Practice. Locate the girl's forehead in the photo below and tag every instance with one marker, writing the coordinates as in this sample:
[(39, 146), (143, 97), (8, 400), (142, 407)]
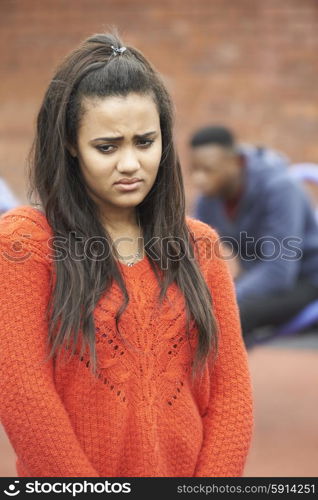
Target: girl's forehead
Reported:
[(120, 113), (109, 104)]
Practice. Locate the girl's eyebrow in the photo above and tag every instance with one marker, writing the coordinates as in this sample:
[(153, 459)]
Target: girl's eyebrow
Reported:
[(136, 136)]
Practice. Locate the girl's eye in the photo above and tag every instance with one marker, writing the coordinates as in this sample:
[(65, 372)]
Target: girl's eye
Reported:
[(106, 148), (144, 143), (109, 148)]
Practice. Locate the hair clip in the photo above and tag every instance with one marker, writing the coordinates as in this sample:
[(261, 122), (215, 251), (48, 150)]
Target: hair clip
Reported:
[(118, 50)]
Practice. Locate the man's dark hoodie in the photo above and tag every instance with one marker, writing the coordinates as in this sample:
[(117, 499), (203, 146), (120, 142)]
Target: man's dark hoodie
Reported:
[(274, 230)]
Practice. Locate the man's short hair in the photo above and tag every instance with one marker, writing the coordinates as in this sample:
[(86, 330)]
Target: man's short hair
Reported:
[(213, 134)]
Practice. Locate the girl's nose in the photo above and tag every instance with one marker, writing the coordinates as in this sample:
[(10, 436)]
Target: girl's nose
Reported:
[(128, 161)]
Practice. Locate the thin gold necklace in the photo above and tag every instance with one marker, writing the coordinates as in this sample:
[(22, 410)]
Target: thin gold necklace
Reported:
[(138, 253)]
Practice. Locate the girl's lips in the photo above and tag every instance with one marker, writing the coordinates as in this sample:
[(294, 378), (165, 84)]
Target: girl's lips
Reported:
[(128, 187)]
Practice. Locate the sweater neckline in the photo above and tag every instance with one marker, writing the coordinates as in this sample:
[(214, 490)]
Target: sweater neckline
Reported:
[(137, 267)]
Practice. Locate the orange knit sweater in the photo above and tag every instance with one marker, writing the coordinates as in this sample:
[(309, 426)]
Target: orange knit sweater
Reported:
[(141, 416)]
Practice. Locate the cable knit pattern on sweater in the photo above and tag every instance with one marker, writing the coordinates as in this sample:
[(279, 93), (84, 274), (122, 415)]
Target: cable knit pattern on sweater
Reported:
[(142, 416)]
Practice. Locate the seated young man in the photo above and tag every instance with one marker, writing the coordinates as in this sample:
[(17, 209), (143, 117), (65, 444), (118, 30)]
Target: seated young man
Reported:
[(266, 224)]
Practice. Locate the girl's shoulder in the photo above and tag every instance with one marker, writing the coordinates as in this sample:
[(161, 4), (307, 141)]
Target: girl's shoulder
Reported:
[(24, 229), (18, 220), (206, 241), (201, 229)]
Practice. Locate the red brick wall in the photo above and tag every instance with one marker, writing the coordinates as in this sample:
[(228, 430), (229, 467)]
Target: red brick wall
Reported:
[(250, 64)]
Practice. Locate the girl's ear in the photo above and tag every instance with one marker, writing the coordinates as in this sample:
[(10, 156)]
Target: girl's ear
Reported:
[(71, 150)]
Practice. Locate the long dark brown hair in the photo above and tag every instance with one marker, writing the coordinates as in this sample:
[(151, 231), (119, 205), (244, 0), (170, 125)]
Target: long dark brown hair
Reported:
[(92, 70)]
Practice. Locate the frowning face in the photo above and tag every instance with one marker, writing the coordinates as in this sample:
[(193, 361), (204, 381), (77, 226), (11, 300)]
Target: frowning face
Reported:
[(119, 138)]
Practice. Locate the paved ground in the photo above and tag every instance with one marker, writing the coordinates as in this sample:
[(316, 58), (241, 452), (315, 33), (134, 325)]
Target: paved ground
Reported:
[(285, 381)]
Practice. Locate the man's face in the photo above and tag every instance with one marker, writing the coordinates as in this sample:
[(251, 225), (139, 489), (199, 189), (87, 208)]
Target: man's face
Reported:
[(212, 169)]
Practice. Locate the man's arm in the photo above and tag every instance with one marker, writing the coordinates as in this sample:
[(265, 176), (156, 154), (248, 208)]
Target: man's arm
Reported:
[(279, 251)]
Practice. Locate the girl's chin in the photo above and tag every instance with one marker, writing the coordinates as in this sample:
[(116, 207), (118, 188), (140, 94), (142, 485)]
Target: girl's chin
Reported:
[(127, 200)]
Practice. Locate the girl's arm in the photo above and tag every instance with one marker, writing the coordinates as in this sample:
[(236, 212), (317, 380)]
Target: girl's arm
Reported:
[(31, 410), (228, 421)]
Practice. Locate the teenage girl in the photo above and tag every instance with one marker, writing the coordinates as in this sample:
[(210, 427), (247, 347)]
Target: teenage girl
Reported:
[(121, 348)]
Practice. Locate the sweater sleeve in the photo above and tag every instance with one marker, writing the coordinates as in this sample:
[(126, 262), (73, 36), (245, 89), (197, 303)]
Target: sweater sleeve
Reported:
[(228, 421), (31, 411)]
